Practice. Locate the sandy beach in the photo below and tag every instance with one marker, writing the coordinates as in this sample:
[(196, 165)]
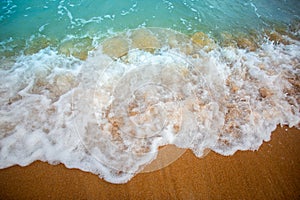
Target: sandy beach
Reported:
[(93, 91), (272, 172)]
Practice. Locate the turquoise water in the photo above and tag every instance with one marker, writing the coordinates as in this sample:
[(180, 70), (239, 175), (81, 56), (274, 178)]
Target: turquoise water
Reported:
[(63, 20), (106, 86)]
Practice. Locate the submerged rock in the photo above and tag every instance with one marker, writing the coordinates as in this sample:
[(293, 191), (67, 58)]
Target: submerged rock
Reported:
[(246, 43), (78, 47), (294, 29), (144, 39), (179, 41), (115, 47), (276, 38), (203, 41), (227, 39), (37, 44)]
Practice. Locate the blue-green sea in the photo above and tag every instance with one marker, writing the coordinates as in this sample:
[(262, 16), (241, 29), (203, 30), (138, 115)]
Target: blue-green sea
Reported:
[(104, 86), (53, 22)]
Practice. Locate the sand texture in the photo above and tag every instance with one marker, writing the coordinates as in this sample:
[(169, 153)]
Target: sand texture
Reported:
[(272, 172)]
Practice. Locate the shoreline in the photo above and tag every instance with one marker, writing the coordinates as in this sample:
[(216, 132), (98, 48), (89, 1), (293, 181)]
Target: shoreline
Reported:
[(268, 173)]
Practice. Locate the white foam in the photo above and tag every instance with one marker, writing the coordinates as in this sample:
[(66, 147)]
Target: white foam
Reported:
[(110, 116)]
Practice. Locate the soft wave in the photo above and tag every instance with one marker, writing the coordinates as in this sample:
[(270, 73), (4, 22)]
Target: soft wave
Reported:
[(141, 90)]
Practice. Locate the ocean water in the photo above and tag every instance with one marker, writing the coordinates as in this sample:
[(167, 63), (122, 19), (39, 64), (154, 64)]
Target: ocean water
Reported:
[(106, 86)]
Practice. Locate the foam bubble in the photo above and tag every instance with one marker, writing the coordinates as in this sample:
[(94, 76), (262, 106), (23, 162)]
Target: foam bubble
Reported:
[(112, 113)]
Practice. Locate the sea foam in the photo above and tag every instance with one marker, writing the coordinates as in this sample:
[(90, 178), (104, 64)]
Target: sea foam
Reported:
[(140, 91)]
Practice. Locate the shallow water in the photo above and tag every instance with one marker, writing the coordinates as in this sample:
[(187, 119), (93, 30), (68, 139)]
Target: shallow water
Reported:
[(93, 85)]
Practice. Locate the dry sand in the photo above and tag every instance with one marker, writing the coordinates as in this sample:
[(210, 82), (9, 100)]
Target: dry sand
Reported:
[(272, 172)]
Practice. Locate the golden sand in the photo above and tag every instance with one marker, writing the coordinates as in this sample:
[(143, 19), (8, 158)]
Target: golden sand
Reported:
[(272, 172)]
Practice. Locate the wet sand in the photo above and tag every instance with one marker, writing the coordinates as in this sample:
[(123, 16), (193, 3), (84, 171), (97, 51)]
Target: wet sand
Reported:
[(272, 172)]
